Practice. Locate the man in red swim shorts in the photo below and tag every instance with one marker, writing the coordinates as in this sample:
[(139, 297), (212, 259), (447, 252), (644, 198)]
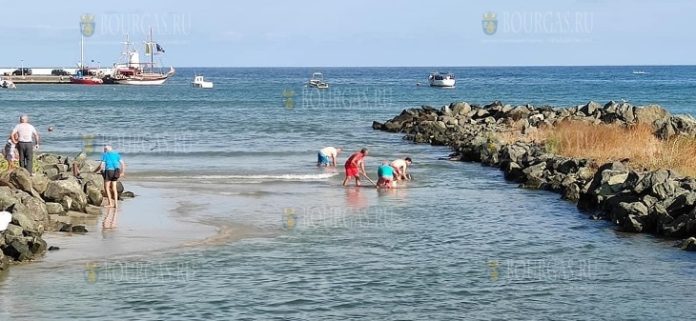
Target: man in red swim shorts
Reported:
[(354, 165)]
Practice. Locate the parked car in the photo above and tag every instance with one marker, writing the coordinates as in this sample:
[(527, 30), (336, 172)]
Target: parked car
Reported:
[(59, 72), (22, 71)]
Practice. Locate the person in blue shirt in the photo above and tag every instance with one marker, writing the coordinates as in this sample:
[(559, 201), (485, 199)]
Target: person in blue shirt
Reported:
[(112, 167), (385, 175)]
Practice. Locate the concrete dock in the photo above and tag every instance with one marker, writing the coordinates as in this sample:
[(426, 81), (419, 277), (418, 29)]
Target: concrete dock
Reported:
[(38, 79), (42, 75)]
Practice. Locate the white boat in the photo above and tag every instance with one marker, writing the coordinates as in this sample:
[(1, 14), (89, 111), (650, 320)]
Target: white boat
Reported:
[(317, 81), (5, 83), (200, 82), (437, 79), (137, 73)]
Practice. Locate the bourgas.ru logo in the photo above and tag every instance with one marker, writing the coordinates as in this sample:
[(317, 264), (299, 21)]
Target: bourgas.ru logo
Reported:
[(87, 25), (489, 23), (288, 98), (530, 23)]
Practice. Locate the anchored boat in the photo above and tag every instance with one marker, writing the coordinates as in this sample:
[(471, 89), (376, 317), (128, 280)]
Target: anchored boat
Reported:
[(437, 79), (200, 82), (317, 81), (133, 72)]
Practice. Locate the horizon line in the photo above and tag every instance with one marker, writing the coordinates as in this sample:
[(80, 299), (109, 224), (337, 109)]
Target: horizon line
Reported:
[(376, 66)]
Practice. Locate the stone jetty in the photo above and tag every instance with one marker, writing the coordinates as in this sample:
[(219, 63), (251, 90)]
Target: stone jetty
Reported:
[(660, 202), (46, 202)]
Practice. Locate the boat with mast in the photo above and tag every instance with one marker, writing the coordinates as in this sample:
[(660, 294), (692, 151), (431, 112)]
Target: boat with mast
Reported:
[(133, 72), (127, 65), (83, 75)]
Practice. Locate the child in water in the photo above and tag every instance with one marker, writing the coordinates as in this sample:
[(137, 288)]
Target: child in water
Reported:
[(10, 153)]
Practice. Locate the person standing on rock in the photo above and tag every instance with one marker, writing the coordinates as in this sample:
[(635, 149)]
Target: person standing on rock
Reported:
[(25, 134), (112, 167), (327, 153), (401, 168), (355, 165)]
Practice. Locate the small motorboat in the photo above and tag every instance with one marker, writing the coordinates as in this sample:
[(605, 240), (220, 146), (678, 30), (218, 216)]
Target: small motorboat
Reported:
[(317, 81), (437, 79), (200, 82), (86, 77), (4, 83)]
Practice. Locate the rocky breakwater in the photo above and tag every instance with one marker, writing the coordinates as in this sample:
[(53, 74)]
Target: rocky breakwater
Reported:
[(45, 202), (660, 202)]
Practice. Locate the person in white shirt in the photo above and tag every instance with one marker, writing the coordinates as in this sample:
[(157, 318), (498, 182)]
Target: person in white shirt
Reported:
[(326, 153), (25, 134), (401, 168)]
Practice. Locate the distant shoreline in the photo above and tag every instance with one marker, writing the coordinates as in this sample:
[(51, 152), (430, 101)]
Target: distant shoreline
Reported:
[(9, 67)]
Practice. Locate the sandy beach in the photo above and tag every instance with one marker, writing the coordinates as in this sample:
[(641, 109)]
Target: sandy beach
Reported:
[(156, 221)]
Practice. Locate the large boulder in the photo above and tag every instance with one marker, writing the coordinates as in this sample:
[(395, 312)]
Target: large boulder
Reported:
[(515, 153), (54, 208), (650, 113), (512, 171), (68, 192), (26, 223), (50, 159), (8, 198), (34, 208), (682, 226), (689, 244), (39, 182), (24, 248), (462, 108), (664, 128), (88, 166), (652, 179), (590, 108), (519, 112), (94, 194), (14, 230), (21, 179), (632, 217), (608, 180), (681, 204)]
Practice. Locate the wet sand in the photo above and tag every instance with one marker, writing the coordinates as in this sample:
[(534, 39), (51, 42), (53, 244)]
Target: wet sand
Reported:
[(156, 221)]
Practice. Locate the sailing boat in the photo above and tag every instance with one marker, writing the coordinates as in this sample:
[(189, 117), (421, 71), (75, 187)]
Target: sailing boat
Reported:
[(127, 66), (84, 76), (137, 73)]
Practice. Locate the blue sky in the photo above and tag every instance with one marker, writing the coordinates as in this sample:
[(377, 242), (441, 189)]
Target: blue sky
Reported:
[(357, 32)]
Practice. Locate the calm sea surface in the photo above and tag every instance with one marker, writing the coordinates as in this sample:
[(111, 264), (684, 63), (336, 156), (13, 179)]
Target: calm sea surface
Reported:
[(458, 242)]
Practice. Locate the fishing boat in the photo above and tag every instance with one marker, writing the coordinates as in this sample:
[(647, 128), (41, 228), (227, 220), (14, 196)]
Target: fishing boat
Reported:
[(136, 73), (317, 81), (83, 75), (437, 79), (200, 82)]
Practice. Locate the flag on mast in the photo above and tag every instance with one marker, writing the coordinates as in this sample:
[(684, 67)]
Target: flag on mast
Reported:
[(148, 48)]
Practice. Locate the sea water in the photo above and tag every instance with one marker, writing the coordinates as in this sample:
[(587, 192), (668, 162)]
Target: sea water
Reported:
[(458, 242)]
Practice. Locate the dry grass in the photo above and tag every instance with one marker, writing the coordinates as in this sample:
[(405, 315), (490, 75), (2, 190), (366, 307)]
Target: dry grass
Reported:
[(604, 143)]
